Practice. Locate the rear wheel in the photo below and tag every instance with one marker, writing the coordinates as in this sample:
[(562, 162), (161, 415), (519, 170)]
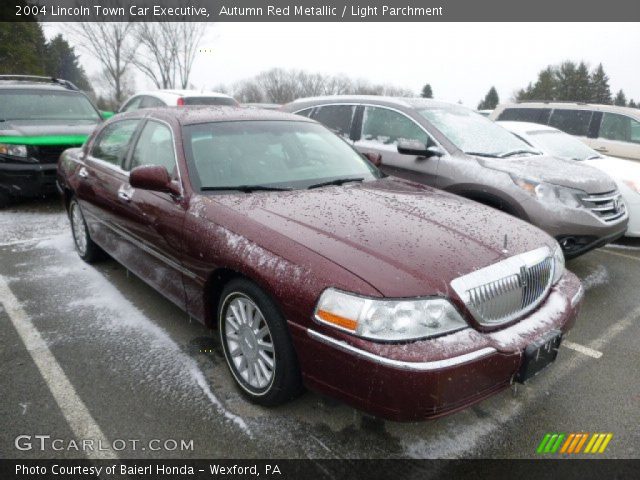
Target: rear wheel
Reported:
[(86, 248), (257, 345)]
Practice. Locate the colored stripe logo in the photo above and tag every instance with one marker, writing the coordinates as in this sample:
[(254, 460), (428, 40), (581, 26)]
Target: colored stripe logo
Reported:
[(572, 443)]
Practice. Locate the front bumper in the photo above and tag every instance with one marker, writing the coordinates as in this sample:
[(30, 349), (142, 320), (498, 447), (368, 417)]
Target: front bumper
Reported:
[(28, 179), (430, 378)]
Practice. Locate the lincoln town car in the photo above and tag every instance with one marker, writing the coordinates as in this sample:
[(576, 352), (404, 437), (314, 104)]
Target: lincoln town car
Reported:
[(314, 268)]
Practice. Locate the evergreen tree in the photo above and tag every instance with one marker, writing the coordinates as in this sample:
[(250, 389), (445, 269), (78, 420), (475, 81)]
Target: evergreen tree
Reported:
[(62, 62), (582, 84), (621, 99), (490, 101), (565, 77), (22, 48), (427, 92), (600, 90), (632, 104)]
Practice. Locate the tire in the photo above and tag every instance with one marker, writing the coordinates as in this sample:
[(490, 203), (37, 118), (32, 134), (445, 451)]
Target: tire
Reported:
[(88, 251), (6, 199), (260, 355)]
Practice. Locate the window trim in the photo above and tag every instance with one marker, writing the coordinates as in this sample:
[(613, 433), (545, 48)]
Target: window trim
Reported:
[(116, 167)]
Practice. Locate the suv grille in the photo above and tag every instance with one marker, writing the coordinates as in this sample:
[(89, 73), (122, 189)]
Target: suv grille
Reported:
[(50, 154), (509, 289), (606, 206)]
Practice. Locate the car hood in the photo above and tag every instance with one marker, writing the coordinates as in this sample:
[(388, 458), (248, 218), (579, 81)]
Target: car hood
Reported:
[(557, 171), (617, 167), (404, 239), (46, 128)]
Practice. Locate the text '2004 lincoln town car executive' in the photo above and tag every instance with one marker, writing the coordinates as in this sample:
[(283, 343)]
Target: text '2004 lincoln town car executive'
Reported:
[(315, 268)]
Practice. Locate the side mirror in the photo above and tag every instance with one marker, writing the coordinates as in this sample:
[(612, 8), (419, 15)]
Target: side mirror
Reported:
[(374, 158), (419, 149), (106, 115), (153, 177)]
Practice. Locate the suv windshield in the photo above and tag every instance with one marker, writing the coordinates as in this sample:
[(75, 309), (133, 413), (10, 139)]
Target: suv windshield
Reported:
[(22, 104), (474, 134), (254, 155), (562, 145)]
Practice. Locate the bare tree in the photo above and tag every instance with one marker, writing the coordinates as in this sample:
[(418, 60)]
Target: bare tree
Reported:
[(111, 43), (167, 51)]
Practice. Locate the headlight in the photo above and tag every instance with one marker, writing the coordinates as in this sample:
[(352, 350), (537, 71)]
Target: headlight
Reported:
[(13, 150), (546, 192), (558, 264), (388, 320)]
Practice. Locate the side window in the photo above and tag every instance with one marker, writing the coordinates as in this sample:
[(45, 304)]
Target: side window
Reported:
[(155, 147), (336, 117), (133, 104), (620, 127), (151, 102), (113, 142), (533, 115), (388, 127), (573, 122), (306, 112)]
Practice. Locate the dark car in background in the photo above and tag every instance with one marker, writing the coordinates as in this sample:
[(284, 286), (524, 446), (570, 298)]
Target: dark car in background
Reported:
[(40, 117), (316, 268), (453, 148)]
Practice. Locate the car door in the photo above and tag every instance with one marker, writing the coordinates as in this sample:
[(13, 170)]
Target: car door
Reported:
[(619, 136), (100, 181), (154, 221), (382, 129)]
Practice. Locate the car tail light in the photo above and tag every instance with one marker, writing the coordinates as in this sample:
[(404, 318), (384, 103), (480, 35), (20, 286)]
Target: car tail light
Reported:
[(180, 101)]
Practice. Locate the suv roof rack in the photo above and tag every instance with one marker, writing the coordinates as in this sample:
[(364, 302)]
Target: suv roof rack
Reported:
[(553, 101), (36, 78)]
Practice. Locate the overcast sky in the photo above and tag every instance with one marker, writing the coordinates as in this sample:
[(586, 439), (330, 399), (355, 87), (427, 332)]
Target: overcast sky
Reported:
[(461, 61)]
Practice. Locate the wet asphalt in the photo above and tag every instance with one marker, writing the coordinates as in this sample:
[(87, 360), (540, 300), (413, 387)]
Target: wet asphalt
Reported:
[(145, 372)]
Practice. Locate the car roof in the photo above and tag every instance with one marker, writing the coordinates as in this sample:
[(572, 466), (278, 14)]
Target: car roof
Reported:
[(181, 93), (524, 128), (634, 112), (402, 102), (212, 113)]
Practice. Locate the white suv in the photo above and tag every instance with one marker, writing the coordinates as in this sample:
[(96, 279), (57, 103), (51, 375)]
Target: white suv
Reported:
[(172, 98), (611, 130)]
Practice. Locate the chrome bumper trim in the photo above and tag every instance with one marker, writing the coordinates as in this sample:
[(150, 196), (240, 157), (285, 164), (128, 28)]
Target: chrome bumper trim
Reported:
[(401, 365), (577, 297)]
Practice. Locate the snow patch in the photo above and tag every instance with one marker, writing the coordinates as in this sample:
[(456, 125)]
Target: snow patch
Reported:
[(599, 276)]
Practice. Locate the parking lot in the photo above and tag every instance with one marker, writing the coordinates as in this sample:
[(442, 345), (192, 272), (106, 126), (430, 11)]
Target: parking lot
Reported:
[(94, 352)]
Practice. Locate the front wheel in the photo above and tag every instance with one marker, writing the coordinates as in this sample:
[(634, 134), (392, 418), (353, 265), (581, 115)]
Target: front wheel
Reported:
[(86, 248), (257, 345)]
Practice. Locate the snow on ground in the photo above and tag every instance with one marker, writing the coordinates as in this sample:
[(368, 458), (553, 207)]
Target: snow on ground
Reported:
[(24, 223), (597, 277)]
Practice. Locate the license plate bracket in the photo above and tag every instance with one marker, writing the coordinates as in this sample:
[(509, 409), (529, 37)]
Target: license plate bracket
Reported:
[(539, 355)]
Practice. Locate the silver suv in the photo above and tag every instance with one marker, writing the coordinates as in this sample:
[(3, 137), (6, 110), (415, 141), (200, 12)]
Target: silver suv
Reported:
[(453, 148)]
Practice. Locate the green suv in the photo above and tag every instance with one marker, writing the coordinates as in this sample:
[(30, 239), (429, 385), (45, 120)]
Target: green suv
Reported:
[(40, 117)]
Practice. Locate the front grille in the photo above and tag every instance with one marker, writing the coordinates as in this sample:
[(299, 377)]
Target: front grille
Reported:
[(606, 206), (49, 154), (509, 289)]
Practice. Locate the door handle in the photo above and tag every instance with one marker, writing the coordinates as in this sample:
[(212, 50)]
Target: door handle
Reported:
[(122, 195), (83, 173)]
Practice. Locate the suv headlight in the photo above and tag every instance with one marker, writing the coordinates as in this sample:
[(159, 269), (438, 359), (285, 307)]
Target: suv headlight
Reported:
[(388, 320), (547, 192), (558, 264), (13, 150)]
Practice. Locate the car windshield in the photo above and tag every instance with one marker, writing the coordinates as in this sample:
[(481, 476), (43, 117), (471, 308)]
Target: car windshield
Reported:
[(474, 134), (45, 105), (562, 145), (261, 154)]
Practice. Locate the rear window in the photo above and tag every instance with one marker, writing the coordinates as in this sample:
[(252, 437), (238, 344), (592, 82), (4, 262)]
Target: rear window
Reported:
[(533, 115), (45, 105), (573, 122), (210, 101)]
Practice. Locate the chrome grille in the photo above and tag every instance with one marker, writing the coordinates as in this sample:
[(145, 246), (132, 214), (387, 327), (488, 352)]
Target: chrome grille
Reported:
[(606, 206), (508, 289)]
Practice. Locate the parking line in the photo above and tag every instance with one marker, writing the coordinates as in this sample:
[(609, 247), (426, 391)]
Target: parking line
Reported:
[(72, 407), (637, 259), (582, 349)]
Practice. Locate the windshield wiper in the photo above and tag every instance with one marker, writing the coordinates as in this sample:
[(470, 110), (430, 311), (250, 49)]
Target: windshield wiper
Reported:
[(593, 157), (247, 188), (517, 152), (483, 154), (337, 181)]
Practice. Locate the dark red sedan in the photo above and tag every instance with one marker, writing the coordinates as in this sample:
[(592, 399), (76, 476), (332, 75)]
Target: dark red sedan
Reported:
[(315, 268)]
